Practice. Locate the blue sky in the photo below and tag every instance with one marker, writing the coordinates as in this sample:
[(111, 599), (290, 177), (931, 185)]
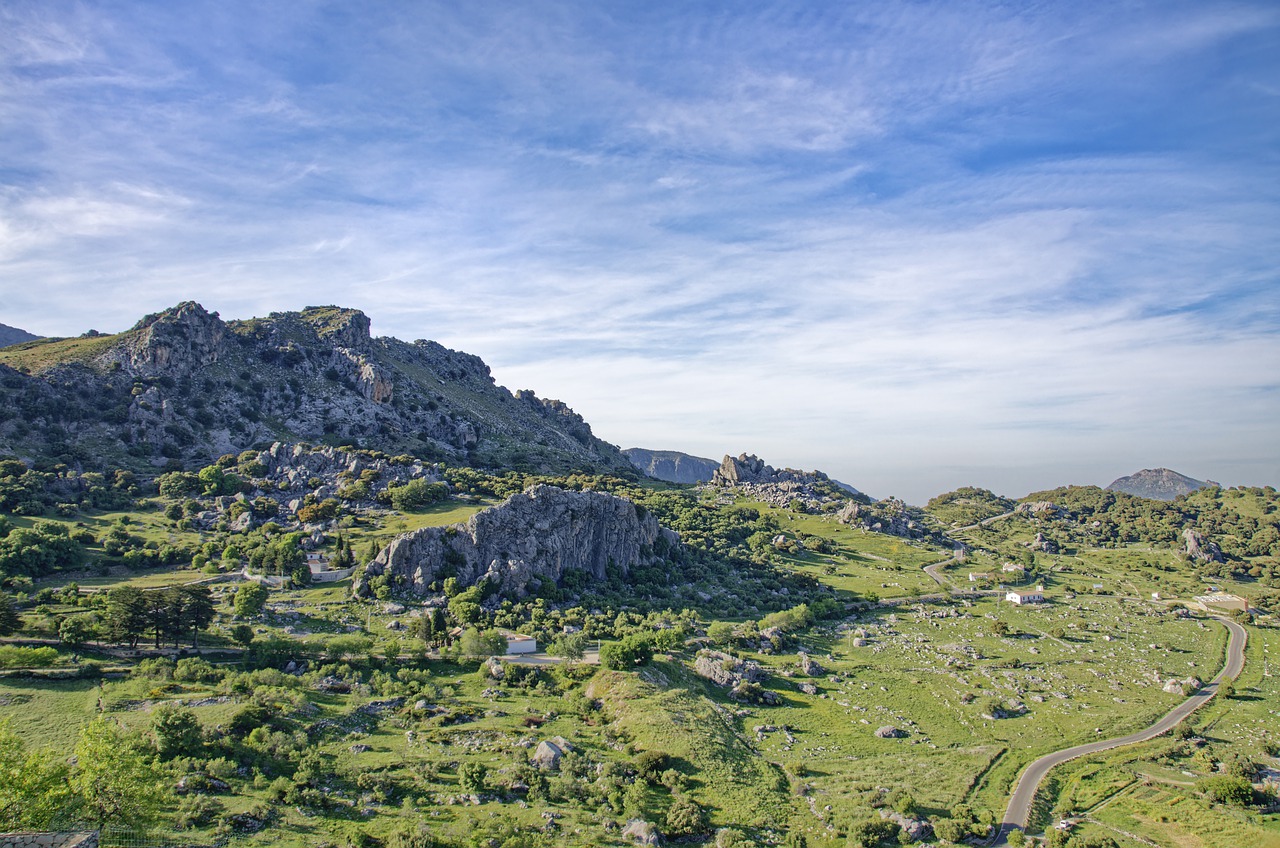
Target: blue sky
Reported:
[(917, 245)]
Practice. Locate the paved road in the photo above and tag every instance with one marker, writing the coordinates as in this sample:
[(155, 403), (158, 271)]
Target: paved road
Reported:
[(1023, 794), (932, 570)]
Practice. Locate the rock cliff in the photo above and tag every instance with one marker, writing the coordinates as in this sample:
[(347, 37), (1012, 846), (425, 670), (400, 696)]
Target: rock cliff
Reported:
[(540, 533), (672, 466), (184, 386)]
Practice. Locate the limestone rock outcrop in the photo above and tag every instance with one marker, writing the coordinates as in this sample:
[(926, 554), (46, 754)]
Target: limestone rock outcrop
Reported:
[(185, 386), (1198, 549), (540, 534)]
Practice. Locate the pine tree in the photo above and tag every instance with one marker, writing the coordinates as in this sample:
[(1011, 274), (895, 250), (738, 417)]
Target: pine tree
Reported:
[(10, 621)]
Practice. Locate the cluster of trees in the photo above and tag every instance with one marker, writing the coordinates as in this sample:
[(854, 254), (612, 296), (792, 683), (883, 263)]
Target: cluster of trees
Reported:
[(41, 549), (414, 495), (167, 615)]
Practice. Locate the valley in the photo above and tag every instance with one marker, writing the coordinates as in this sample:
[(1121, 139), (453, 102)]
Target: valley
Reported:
[(313, 642)]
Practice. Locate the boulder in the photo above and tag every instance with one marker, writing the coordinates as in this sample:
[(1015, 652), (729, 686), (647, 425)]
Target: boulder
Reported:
[(890, 732), (642, 832), (809, 666), (547, 755)]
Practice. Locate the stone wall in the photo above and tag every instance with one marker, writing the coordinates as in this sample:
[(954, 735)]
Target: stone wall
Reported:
[(76, 839)]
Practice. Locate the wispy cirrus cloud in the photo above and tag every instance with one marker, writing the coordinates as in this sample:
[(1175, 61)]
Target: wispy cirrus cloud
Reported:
[(916, 245)]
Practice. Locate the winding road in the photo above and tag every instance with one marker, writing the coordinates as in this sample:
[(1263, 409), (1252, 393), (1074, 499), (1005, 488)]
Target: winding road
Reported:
[(1025, 790)]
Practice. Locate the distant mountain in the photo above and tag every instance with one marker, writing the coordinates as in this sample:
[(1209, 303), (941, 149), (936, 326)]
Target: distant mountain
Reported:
[(1159, 484), (672, 466), (12, 336), (184, 386)]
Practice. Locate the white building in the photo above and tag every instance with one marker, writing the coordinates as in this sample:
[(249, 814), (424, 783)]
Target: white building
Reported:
[(518, 643), (1029, 596)]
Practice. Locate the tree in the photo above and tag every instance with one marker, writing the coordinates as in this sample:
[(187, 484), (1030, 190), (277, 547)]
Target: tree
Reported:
[(1016, 838), (114, 781), (720, 633), (488, 643), (251, 597), (33, 787), (198, 610), (1227, 688), (950, 830), (242, 634), (176, 732), (626, 654), (571, 646), (685, 817), (126, 614), (10, 621), (75, 630), (471, 777)]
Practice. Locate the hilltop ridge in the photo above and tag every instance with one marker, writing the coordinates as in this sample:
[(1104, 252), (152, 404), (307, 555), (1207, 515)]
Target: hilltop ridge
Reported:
[(13, 335), (1159, 484), (184, 385)]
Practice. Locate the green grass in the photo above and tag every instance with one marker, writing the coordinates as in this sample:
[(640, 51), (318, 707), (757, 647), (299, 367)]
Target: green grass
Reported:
[(48, 714), (38, 356)]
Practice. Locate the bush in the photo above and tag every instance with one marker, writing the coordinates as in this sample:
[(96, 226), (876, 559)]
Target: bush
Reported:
[(14, 656), (628, 653), (651, 764), (1225, 789), (686, 818)]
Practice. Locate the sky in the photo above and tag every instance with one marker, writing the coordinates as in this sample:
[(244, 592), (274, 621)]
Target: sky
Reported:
[(916, 245)]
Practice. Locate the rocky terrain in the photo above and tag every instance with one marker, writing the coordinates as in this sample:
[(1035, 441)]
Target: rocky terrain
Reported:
[(184, 386), (812, 491), (672, 466), (290, 477), (12, 336), (1159, 484), (539, 534)]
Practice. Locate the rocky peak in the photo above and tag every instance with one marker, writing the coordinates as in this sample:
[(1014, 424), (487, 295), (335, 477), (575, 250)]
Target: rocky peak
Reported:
[(177, 340), (340, 327), (1161, 484)]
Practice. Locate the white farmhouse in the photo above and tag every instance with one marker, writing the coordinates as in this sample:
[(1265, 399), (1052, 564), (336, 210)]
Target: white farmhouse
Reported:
[(1028, 596)]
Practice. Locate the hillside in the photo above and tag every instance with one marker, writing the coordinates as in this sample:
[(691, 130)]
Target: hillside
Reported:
[(672, 466), (12, 336), (1159, 484), (184, 386)]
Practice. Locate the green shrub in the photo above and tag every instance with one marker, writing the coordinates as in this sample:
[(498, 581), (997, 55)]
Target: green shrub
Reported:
[(16, 656)]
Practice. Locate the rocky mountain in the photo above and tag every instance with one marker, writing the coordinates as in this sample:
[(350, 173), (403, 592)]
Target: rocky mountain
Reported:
[(12, 336), (183, 386), (539, 534), (672, 466), (1159, 484)]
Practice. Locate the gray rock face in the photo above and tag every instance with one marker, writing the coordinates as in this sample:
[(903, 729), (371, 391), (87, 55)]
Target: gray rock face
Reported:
[(890, 516), (1159, 484), (752, 469), (210, 387), (1041, 543), (542, 532), (547, 755), (727, 671), (1198, 549), (888, 732), (642, 832), (672, 466)]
